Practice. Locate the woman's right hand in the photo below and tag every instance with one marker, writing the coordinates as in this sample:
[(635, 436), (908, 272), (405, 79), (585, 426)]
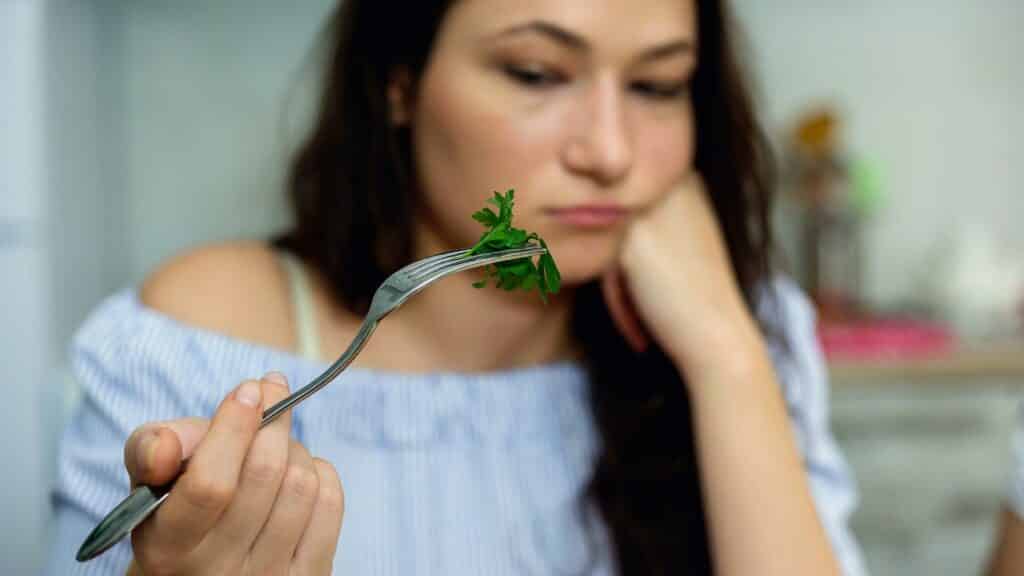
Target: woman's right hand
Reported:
[(250, 501)]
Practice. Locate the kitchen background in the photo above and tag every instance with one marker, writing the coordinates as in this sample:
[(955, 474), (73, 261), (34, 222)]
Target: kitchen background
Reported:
[(130, 130)]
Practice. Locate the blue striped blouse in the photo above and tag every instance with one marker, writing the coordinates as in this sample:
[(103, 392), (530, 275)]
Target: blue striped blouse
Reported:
[(444, 473)]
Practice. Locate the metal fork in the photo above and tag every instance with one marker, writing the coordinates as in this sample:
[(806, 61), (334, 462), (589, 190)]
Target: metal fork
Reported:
[(391, 294)]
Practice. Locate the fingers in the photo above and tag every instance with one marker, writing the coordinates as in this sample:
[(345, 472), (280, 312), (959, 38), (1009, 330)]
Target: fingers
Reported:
[(154, 451), (260, 480), (272, 551), (315, 552), (148, 453), (622, 311), (206, 488)]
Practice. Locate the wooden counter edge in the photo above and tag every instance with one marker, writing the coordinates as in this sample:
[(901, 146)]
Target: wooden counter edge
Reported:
[(1003, 361)]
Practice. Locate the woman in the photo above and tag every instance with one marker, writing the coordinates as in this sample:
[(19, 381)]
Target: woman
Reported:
[(636, 424)]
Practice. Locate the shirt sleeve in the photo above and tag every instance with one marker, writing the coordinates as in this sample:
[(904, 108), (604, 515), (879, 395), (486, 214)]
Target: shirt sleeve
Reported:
[(128, 373), (790, 320)]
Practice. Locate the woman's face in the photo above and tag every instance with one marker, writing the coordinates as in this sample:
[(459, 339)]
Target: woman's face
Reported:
[(581, 106)]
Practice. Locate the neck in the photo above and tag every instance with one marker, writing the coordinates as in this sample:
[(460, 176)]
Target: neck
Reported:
[(453, 326)]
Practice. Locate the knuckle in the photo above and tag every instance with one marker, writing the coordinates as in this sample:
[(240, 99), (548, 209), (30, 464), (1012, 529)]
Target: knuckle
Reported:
[(332, 501), (300, 450), (264, 468), (332, 495), (301, 482), (236, 425), (276, 391), (207, 492)]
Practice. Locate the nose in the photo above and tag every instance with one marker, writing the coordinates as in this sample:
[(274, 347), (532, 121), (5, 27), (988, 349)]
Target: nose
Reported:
[(599, 145)]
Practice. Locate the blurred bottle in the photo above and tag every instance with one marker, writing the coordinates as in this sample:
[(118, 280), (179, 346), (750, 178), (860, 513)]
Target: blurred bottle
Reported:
[(830, 215)]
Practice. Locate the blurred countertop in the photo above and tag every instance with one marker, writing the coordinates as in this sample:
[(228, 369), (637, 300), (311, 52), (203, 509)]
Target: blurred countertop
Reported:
[(965, 364)]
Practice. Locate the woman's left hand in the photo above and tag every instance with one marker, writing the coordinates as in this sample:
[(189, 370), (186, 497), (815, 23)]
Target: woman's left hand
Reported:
[(675, 282)]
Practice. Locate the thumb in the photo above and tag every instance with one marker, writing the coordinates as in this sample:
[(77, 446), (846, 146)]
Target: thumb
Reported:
[(154, 452), (622, 311)]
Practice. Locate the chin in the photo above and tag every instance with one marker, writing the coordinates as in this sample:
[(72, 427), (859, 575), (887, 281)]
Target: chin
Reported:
[(581, 262)]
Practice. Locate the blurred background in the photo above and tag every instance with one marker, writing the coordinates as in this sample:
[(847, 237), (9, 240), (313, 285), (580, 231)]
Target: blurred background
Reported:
[(130, 130)]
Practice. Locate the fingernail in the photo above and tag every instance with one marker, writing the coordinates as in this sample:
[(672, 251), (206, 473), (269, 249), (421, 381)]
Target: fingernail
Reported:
[(249, 393), (146, 446), (277, 378)]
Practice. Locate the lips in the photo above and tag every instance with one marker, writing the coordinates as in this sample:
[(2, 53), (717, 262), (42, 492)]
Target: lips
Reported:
[(590, 216)]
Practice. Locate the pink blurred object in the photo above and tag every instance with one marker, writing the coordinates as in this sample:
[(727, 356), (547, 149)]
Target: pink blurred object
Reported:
[(885, 339)]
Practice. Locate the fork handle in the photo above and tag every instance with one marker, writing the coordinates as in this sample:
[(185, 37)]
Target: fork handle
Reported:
[(144, 500), (365, 330), (120, 521)]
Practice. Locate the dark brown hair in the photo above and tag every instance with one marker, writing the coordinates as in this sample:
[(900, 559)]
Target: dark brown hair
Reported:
[(351, 188)]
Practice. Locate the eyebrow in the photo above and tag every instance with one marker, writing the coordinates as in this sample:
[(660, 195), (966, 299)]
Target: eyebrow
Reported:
[(576, 42)]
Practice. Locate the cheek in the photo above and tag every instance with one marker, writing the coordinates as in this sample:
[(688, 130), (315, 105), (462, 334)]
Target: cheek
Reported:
[(468, 144), (665, 151)]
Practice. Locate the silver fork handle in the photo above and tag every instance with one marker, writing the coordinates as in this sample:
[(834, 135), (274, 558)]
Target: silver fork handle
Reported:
[(293, 399), (144, 500)]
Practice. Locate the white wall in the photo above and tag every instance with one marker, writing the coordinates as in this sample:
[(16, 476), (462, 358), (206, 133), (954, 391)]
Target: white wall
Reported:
[(931, 88), (25, 338), (204, 87), (86, 212)]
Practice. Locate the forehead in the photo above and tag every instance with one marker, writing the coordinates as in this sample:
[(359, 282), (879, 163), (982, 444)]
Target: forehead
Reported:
[(607, 25)]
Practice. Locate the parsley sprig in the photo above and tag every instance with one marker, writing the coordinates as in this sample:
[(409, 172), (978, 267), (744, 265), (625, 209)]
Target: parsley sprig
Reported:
[(500, 235)]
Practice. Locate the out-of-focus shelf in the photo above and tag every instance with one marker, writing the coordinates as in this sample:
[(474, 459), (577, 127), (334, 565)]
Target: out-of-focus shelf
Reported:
[(1004, 361)]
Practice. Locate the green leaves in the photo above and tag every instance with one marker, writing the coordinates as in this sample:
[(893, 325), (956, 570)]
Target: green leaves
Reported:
[(516, 274)]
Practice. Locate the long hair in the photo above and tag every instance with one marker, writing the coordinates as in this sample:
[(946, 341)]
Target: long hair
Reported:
[(351, 189)]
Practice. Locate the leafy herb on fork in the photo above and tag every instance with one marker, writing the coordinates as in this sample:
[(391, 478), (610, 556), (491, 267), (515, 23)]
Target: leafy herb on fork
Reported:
[(501, 235)]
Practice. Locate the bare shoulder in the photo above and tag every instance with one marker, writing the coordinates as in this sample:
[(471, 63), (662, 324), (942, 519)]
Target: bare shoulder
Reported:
[(238, 289)]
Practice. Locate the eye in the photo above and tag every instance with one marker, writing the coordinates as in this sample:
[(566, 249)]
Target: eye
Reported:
[(661, 90), (533, 76)]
